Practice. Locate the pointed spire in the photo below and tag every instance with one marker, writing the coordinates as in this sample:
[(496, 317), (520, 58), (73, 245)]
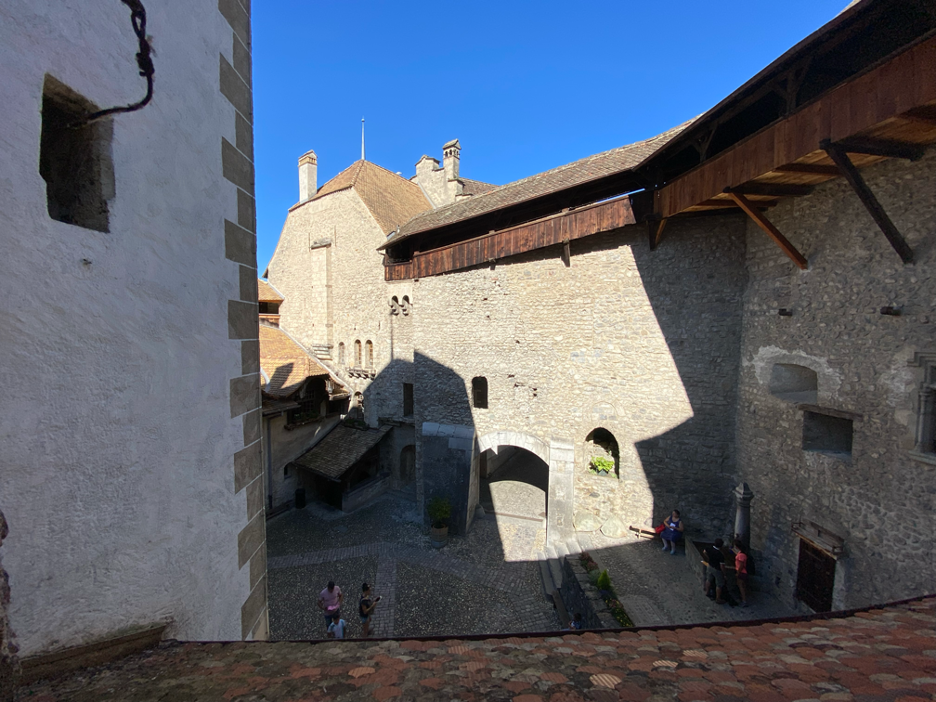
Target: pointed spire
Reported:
[(362, 139)]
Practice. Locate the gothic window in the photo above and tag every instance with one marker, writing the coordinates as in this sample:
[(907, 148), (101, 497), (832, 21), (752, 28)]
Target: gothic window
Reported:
[(341, 354), (394, 305), (479, 393), (369, 346), (405, 305), (357, 353)]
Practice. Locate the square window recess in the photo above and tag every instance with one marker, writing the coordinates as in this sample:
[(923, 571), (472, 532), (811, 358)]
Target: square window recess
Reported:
[(75, 159), (824, 433)]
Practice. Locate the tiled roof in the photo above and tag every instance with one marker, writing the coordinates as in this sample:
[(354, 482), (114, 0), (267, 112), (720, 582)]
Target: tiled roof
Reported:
[(475, 187), (285, 362), (392, 199), (267, 293), (576, 173), (882, 654), (344, 446)]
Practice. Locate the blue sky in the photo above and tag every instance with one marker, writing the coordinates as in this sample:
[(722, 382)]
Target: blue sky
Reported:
[(525, 86)]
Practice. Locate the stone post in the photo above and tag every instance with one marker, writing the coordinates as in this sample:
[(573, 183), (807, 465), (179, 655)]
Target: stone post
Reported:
[(742, 522)]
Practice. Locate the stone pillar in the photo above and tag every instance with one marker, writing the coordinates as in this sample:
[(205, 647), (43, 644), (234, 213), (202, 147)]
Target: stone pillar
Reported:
[(742, 522)]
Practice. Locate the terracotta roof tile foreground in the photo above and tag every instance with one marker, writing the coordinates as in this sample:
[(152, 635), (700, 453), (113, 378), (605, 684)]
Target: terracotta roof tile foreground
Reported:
[(883, 654), (284, 362)]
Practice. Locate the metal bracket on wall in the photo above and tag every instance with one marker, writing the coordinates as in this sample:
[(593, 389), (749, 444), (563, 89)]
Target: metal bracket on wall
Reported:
[(838, 152)]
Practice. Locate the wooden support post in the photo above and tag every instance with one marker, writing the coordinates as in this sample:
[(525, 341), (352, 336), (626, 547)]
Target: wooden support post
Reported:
[(761, 221), (566, 254), (655, 230), (850, 173)]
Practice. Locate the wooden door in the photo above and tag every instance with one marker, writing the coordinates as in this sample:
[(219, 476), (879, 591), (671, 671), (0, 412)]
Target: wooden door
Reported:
[(815, 577)]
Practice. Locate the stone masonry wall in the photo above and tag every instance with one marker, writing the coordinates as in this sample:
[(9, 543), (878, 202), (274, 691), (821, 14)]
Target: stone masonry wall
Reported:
[(644, 344), (881, 500)]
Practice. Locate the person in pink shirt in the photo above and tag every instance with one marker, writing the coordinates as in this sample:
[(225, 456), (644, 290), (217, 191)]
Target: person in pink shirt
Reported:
[(329, 601), (741, 573)]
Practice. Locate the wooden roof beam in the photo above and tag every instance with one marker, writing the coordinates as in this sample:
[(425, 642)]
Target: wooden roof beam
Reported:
[(838, 153), (925, 114), (761, 221), (881, 147), (808, 169), (773, 189)]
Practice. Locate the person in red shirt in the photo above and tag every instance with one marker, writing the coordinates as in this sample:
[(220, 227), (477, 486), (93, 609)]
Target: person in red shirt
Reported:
[(741, 573)]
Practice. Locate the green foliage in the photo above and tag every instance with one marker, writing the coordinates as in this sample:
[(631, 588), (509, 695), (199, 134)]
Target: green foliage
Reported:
[(439, 509), (617, 609), (602, 464), (604, 581)]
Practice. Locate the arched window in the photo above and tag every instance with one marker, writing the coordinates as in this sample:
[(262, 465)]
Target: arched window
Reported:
[(479, 392), (405, 305), (601, 450), (341, 354), (369, 348), (394, 305), (357, 353), (794, 383)]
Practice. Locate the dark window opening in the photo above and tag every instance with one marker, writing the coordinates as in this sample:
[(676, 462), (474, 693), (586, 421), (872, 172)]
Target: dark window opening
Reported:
[(926, 417), (407, 399), (827, 434), (815, 577), (369, 347), (307, 411), (357, 354), (74, 161), (601, 447), (269, 307), (341, 354), (794, 383), (479, 393)]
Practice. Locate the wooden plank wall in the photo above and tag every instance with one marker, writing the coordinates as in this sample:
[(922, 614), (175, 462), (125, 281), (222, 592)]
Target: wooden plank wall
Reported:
[(906, 81), (586, 221)]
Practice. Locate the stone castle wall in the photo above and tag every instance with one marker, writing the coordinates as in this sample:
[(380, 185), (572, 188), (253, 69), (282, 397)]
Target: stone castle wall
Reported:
[(881, 498), (130, 468), (644, 344)]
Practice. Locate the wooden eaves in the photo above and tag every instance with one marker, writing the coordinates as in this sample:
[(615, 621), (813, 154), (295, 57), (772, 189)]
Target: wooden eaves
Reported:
[(887, 112)]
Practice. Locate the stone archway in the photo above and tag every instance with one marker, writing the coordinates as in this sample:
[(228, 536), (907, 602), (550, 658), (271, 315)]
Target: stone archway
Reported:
[(558, 455)]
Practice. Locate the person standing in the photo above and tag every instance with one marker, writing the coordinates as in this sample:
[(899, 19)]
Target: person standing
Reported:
[(337, 628), (366, 606), (672, 532), (741, 573), (714, 570), (329, 601)]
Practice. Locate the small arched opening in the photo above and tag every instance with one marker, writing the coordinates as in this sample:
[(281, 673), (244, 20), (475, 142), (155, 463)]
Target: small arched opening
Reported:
[(369, 354), (602, 454), (794, 383), (357, 353)]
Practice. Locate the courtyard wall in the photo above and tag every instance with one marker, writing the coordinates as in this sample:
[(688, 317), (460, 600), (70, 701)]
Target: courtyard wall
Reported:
[(644, 344), (880, 498)]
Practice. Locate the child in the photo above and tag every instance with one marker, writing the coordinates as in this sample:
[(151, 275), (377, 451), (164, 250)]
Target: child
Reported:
[(337, 627), (577, 624)]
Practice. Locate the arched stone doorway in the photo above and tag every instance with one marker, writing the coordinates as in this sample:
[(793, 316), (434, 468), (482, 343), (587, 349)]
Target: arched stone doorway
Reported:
[(540, 465)]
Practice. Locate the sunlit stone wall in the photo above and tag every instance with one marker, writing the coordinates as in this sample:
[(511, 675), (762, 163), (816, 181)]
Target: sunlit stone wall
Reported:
[(644, 344)]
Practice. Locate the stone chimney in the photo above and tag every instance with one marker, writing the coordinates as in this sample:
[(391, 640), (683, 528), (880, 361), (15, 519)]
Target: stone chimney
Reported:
[(450, 156), (308, 173)]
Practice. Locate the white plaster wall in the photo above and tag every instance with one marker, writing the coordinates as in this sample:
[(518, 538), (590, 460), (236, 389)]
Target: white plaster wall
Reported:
[(116, 440)]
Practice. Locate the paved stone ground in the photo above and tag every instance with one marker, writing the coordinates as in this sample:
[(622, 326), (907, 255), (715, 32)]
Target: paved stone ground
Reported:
[(884, 655), (657, 588), (485, 582), (517, 488)]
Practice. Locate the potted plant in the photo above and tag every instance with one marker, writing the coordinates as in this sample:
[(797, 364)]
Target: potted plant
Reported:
[(439, 509), (602, 465)]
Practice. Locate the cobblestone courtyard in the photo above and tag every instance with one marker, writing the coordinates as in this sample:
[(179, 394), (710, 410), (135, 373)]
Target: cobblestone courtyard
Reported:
[(485, 582)]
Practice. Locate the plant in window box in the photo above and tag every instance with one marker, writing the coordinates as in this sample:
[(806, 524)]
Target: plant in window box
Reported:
[(440, 510), (601, 465)]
